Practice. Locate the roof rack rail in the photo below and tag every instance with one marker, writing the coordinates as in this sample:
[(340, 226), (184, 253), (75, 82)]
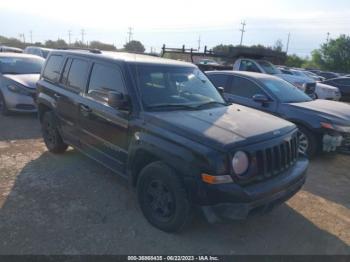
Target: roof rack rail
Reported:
[(91, 50)]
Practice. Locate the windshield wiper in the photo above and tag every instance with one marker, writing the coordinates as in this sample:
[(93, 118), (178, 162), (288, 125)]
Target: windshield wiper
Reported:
[(171, 106), (211, 103)]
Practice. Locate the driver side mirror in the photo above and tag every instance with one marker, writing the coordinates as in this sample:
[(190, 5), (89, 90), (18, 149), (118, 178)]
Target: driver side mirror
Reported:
[(221, 90), (118, 100), (260, 98)]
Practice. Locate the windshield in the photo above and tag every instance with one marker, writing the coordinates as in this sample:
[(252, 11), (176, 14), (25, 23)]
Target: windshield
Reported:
[(176, 88), (269, 68), (285, 92), (20, 65)]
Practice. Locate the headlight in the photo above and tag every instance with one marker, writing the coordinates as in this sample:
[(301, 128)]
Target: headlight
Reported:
[(339, 128), (240, 163), (18, 89)]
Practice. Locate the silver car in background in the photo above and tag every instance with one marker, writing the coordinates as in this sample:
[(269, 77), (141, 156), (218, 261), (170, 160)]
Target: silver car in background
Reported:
[(38, 51), (18, 76)]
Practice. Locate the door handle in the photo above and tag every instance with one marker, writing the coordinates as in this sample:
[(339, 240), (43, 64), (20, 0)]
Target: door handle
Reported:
[(85, 108)]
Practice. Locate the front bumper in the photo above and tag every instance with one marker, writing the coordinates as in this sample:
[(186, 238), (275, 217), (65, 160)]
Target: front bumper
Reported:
[(19, 102), (237, 202)]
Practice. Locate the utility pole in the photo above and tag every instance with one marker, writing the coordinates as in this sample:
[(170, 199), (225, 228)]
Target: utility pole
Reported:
[(328, 34), (288, 43), (69, 37), (31, 36), (243, 31), (130, 33), (199, 42), (82, 36), (23, 37)]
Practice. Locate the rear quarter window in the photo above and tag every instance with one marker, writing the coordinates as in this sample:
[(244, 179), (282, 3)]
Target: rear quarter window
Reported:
[(53, 68)]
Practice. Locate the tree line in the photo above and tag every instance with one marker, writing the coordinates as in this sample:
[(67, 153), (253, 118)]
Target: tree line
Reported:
[(132, 46)]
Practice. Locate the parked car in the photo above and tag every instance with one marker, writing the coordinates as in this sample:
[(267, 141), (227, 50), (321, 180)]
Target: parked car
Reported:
[(327, 92), (265, 67), (315, 77), (343, 84), (323, 125), (162, 125), (328, 75), (38, 51), (10, 49), (18, 76)]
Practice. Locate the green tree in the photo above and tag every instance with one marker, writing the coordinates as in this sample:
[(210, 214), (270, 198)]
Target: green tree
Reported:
[(134, 46), (295, 61), (278, 46), (102, 46), (60, 43)]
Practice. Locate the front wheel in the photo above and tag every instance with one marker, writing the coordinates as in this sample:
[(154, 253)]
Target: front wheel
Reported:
[(51, 135), (307, 142), (163, 198)]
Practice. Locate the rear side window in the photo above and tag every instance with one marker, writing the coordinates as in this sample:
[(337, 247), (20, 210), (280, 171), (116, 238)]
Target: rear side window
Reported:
[(244, 88), (249, 66), (77, 75), (104, 79), (53, 67), (219, 80)]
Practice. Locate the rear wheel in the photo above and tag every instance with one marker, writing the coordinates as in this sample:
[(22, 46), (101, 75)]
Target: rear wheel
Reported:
[(52, 137), (162, 198), (307, 142), (3, 108)]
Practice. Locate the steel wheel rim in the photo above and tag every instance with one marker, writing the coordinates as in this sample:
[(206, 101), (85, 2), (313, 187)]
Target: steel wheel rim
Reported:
[(49, 133), (160, 200), (303, 143)]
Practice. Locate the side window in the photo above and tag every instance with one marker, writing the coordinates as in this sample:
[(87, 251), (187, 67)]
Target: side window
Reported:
[(66, 71), (247, 65), (52, 68), (77, 75), (219, 80), (104, 79), (244, 88)]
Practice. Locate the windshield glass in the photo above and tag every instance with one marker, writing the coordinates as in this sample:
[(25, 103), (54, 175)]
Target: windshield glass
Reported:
[(20, 65), (285, 92), (176, 87), (269, 68)]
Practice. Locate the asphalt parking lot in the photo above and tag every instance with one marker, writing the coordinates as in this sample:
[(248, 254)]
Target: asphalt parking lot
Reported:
[(68, 204)]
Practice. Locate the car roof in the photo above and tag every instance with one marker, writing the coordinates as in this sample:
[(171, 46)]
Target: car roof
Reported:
[(39, 47), (9, 54), (124, 56), (251, 75)]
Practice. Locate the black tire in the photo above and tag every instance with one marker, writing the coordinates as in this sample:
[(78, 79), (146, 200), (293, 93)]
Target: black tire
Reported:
[(163, 198), (3, 108), (51, 135), (306, 136)]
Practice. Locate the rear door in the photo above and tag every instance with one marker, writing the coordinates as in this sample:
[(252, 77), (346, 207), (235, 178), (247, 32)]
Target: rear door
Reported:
[(73, 84), (105, 129)]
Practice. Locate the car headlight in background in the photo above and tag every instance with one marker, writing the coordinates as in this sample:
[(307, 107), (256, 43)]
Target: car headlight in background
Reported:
[(18, 89), (240, 163), (339, 128)]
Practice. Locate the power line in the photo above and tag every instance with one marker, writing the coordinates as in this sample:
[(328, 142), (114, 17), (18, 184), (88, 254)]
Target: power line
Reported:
[(243, 31)]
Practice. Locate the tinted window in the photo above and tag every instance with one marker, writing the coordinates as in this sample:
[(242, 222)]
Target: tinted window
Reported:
[(53, 67), (77, 75), (269, 68), (243, 87), (247, 65), (104, 79), (66, 71), (21, 65), (219, 80), (284, 91)]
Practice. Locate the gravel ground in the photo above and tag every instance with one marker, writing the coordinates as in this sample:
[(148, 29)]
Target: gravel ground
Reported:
[(68, 204)]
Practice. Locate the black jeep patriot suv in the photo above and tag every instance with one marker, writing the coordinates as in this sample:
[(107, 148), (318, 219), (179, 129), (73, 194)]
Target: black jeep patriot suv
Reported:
[(162, 125)]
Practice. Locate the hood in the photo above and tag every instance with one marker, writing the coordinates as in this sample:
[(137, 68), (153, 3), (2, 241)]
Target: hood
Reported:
[(337, 112), (27, 80), (328, 87), (295, 79), (221, 127)]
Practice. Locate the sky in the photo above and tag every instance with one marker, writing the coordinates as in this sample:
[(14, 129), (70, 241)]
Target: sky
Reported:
[(174, 23)]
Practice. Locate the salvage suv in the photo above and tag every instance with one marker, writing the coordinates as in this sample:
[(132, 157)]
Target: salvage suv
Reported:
[(162, 125)]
